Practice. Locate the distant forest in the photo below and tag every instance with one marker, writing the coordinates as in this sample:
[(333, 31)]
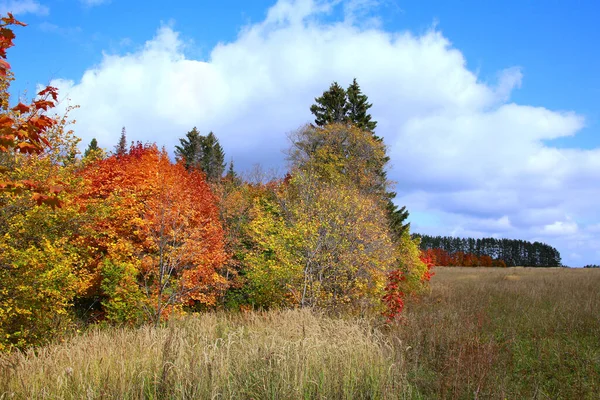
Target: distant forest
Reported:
[(457, 251)]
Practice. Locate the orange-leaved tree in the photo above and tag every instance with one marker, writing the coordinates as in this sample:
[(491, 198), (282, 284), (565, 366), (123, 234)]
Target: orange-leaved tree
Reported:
[(159, 242), (23, 127)]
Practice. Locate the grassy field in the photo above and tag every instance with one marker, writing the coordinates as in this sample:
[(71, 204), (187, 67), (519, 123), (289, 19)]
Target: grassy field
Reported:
[(481, 333)]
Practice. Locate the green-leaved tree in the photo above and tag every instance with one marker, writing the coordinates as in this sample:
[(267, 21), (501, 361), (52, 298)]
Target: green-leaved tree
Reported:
[(202, 152)]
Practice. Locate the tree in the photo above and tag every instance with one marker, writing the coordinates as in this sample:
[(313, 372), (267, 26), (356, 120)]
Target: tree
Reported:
[(121, 147), (351, 107), (202, 152), (92, 147), (189, 149), (358, 106), (42, 261), (318, 244), (342, 154), (23, 127), (93, 152), (159, 238), (212, 159), (331, 107), (231, 174)]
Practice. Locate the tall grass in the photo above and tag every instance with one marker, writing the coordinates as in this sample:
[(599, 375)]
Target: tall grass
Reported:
[(506, 333), (480, 333), (275, 355)]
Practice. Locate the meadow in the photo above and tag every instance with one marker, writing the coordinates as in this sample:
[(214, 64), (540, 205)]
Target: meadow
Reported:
[(479, 333)]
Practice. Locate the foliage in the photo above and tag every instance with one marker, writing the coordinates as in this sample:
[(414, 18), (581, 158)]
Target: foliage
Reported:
[(358, 107), (317, 244), (93, 152), (331, 107), (340, 154), (161, 221), (451, 251), (23, 127), (350, 107), (42, 263), (202, 152)]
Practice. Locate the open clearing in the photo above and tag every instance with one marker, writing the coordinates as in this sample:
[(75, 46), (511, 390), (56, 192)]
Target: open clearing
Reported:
[(479, 333)]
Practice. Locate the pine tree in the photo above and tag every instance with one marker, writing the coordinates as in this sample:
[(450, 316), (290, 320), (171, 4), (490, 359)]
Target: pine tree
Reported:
[(121, 148), (331, 107)]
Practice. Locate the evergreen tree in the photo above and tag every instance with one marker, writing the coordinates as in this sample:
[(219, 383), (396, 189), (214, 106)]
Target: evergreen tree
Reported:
[(92, 148), (357, 107), (189, 149), (212, 158), (231, 175), (331, 107), (121, 148), (202, 152)]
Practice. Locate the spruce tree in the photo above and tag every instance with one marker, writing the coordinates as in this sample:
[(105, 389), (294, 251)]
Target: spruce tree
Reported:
[(202, 152), (231, 174), (358, 107), (331, 107), (189, 149), (92, 148), (121, 148), (212, 159)]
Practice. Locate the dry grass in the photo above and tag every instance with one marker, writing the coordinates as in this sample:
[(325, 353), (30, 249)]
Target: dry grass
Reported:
[(506, 333), (480, 333), (276, 355)]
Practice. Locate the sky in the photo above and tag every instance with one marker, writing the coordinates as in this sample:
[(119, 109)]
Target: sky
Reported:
[(489, 109)]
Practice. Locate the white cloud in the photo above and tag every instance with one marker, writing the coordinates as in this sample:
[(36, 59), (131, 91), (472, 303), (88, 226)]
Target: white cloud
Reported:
[(560, 228), (460, 149), (19, 7)]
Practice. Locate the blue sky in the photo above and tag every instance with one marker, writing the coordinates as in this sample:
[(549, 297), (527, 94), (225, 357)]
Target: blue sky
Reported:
[(449, 81)]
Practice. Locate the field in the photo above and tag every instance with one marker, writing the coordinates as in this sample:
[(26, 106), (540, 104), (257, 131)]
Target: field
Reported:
[(480, 333)]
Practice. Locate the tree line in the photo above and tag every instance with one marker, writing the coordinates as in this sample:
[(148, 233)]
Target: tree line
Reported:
[(129, 237), (512, 252)]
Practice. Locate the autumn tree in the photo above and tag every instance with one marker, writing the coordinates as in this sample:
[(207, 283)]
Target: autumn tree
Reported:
[(23, 127), (351, 106), (42, 262), (160, 243), (318, 245)]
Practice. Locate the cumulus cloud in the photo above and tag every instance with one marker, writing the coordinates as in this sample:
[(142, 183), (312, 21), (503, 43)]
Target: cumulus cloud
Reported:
[(460, 149), (19, 7)]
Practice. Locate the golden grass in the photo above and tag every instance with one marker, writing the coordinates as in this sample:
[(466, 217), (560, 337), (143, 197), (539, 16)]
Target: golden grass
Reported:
[(275, 355), (480, 333)]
